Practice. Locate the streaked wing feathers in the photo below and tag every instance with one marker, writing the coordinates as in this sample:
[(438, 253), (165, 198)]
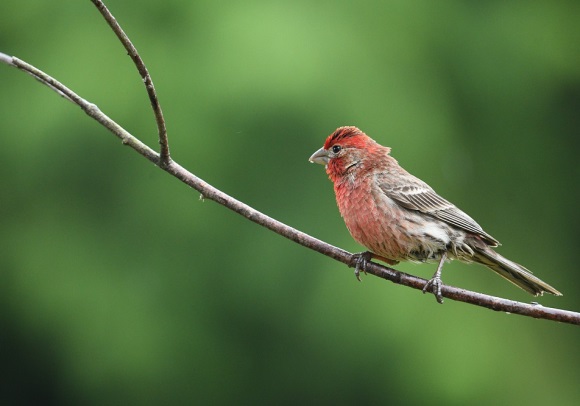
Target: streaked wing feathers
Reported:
[(419, 196)]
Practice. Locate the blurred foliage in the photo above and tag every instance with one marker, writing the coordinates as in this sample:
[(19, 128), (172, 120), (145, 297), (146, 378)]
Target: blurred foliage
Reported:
[(118, 286)]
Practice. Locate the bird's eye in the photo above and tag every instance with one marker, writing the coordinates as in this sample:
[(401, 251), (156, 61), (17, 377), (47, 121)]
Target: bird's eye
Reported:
[(336, 149)]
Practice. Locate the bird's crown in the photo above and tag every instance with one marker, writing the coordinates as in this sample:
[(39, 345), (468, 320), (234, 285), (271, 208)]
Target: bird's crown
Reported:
[(342, 133)]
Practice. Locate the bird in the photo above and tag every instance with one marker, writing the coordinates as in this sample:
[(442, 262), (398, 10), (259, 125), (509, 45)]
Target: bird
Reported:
[(398, 217)]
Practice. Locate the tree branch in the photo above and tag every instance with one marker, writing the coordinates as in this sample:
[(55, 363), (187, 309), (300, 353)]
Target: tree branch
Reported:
[(132, 51), (211, 193)]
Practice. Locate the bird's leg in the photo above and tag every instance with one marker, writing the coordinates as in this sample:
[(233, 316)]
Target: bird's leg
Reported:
[(435, 281), (360, 263), (361, 260)]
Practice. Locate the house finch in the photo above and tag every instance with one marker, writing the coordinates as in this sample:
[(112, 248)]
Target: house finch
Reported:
[(398, 217)]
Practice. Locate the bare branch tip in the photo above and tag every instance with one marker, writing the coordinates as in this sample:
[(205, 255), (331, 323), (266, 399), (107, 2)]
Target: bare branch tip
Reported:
[(7, 59)]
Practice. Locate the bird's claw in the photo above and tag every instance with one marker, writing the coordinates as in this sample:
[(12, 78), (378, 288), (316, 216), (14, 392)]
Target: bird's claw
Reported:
[(434, 284), (360, 263)]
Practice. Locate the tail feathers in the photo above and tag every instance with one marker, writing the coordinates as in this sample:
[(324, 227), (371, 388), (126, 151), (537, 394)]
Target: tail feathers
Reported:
[(515, 273)]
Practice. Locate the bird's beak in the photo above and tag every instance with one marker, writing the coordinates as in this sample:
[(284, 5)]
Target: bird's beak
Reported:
[(320, 157)]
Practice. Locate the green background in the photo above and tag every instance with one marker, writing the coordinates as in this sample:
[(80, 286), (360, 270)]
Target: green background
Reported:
[(119, 286)]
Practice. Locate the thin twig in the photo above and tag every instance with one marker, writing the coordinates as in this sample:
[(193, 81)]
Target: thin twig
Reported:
[(211, 193), (134, 54)]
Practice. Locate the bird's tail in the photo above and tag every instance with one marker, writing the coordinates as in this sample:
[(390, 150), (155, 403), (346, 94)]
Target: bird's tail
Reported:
[(515, 273)]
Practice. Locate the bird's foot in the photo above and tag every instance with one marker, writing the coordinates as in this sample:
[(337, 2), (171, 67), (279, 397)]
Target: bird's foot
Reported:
[(434, 284), (360, 263)]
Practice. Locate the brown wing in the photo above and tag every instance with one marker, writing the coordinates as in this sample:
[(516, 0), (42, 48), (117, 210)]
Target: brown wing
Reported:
[(419, 196)]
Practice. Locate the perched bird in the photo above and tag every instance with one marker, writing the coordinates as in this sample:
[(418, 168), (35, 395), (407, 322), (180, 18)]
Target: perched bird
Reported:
[(398, 217)]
